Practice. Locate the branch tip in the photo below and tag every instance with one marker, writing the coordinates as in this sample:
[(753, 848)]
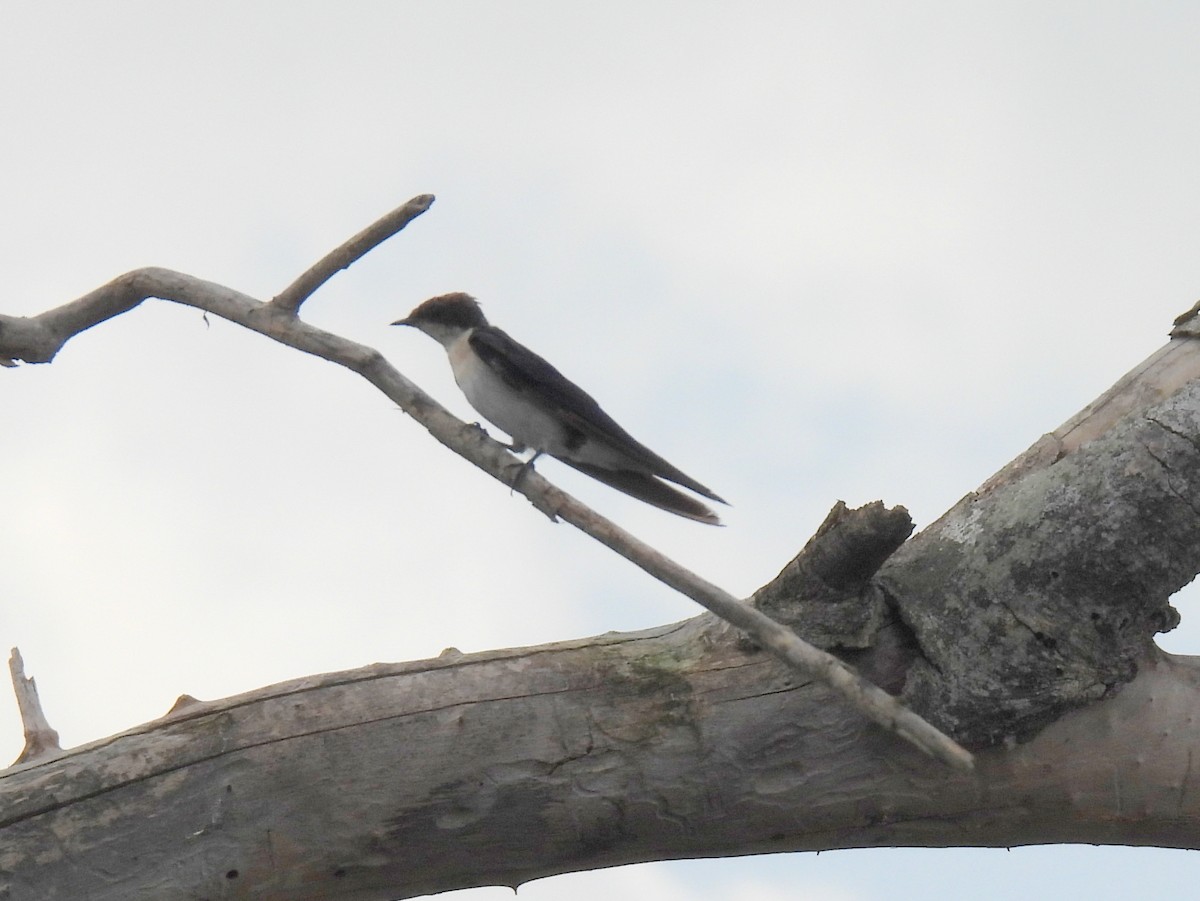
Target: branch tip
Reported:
[(290, 298), (40, 739)]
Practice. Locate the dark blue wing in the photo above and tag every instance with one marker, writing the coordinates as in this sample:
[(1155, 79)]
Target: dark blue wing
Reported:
[(541, 383)]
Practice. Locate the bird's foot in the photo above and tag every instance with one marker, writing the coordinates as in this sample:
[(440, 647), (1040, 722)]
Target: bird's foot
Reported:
[(525, 467)]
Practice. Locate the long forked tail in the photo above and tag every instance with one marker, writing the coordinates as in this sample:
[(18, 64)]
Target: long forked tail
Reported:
[(649, 489)]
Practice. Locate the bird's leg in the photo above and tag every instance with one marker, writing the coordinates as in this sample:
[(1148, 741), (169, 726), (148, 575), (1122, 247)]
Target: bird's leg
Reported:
[(525, 467)]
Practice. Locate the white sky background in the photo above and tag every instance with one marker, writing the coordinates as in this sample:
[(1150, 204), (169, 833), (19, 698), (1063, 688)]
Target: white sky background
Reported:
[(805, 251)]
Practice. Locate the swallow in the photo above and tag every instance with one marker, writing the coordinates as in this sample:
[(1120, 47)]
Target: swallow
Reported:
[(541, 409)]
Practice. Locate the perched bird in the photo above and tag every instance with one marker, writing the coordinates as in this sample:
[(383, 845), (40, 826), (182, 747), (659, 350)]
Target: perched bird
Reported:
[(540, 408)]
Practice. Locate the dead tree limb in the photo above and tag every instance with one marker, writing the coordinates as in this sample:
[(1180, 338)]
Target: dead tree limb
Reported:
[(493, 769), (37, 339), (290, 298)]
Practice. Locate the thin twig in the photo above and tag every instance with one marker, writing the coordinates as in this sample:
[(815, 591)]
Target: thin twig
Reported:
[(291, 297), (46, 333), (40, 739)]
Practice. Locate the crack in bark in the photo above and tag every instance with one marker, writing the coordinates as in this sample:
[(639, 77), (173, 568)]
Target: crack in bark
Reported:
[(1169, 470)]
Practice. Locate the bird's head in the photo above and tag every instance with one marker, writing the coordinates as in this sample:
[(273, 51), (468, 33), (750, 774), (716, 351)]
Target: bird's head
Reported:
[(446, 317)]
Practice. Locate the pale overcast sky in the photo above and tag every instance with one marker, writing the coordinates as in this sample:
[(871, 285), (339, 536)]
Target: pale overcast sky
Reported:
[(806, 251)]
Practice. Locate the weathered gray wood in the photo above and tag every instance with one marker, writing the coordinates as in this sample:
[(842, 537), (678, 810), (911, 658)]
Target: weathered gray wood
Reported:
[(41, 740), (1045, 592), (496, 768)]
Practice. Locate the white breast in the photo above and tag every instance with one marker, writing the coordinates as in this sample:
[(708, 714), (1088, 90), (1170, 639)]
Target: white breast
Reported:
[(501, 405)]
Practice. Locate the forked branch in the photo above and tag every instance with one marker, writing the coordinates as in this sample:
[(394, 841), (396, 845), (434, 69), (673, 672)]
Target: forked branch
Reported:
[(39, 338), (291, 297)]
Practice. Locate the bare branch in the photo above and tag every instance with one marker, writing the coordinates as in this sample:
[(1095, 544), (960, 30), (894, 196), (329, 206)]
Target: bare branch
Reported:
[(39, 338), (406, 779), (41, 741), (291, 297)]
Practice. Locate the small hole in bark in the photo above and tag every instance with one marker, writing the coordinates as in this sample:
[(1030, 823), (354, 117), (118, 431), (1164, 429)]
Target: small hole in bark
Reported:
[(232, 874), (339, 873)]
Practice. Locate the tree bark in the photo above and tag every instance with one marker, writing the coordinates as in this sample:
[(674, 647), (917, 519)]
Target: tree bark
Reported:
[(1044, 593), (400, 780)]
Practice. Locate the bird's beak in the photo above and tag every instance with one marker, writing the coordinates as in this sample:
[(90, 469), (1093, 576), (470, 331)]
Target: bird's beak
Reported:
[(404, 321)]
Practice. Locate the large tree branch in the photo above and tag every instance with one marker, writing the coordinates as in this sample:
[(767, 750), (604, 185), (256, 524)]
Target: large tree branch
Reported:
[(497, 768)]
